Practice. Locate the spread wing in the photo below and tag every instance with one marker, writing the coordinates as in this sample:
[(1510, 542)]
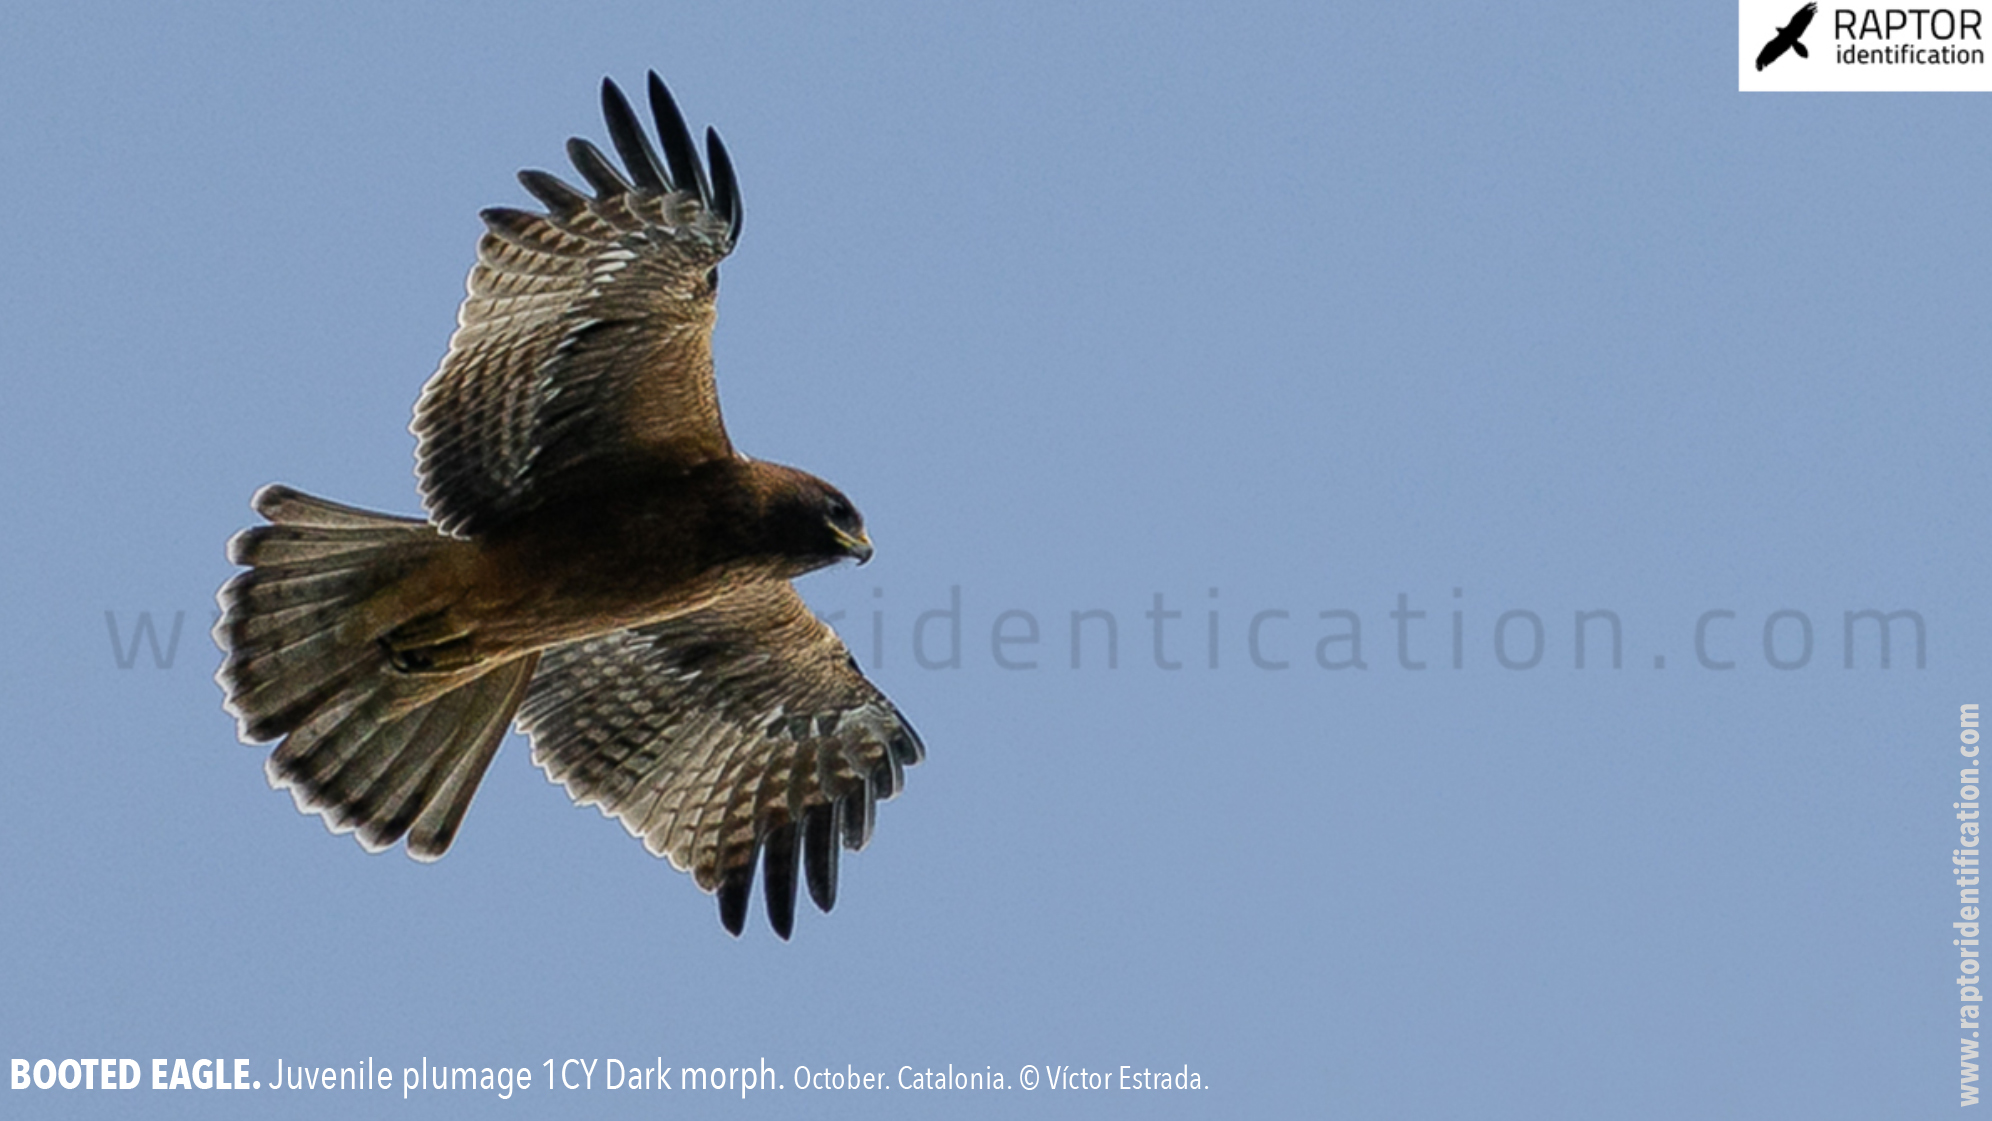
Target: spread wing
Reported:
[(737, 735), (1800, 21), (1772, 50), (585, 339)]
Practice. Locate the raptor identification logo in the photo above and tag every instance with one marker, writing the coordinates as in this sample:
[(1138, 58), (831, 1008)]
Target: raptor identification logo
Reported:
[(1789, 45)]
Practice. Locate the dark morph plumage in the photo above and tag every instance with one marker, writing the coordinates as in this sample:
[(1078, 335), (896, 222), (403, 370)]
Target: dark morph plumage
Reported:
[(1787, 37), (598, 562)]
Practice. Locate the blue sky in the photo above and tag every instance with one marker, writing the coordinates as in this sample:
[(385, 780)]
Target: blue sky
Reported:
[(1277, 313)]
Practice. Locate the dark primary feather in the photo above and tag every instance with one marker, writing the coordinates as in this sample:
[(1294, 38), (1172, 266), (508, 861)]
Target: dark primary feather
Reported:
[(821, 832), (631, 144), (686, 174), (734, 891), (559, 198), (781, 861), (596, 169), (725, 188), (729, 737)]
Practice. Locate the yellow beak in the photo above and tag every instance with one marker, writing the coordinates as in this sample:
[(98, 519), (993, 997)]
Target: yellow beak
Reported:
[(859, 546)]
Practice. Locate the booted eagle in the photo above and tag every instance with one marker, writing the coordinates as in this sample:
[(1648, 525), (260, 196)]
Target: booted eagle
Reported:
[(598, 563)]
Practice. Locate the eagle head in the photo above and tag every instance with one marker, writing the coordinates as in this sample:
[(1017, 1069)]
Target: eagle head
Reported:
[(810, 523)]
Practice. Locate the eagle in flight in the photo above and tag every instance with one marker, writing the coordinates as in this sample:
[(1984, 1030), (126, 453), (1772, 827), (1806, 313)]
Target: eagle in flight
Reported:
[(598, 563), (1787, 37)]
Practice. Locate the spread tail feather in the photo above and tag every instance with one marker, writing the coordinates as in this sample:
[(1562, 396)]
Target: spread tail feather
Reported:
[(370, 748), (372, 765)]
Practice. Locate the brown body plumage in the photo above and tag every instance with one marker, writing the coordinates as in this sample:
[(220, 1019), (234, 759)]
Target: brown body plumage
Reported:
[(598, 561)]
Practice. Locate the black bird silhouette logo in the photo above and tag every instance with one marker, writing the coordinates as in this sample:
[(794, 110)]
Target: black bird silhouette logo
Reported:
[(1787, 38)]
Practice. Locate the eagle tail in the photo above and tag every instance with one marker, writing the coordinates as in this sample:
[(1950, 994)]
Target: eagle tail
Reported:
[(1800, 48), (370, 748)]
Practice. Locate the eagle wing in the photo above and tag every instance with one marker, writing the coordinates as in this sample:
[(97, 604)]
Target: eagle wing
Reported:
[(585, 339), (740, 734)]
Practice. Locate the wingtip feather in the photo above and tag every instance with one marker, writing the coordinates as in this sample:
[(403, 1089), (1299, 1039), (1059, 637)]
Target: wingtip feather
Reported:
[(686, 171), (725, 185), (734, 892), (631, 144), (781, 859), (596, 168)]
